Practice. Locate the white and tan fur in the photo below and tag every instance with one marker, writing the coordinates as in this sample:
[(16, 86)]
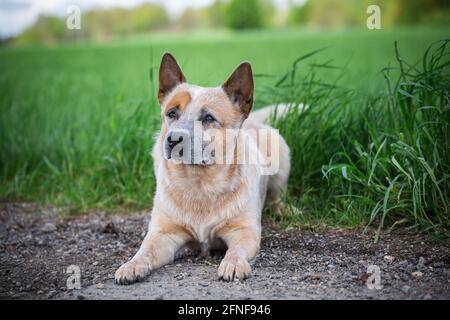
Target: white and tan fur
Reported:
[(207, 204)]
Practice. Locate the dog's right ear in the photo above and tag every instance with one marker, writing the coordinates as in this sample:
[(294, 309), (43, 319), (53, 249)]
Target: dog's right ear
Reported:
[(239, 87), (170, 75)]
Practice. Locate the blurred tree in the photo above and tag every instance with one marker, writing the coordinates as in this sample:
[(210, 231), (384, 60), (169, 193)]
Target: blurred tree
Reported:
[(149, 17), (215, 14), (332, 13), (104, 24), (190, 19), (414, 11), (46, 30), (211, 16), (100, 25), (244, 14), (268, 13), (299, 15)]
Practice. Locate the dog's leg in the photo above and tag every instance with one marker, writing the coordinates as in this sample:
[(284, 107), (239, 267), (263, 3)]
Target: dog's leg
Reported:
[(243, 245), (157, 249)]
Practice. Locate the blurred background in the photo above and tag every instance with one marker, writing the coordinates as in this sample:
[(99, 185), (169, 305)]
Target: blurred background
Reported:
[(78, 107), (31, 22)]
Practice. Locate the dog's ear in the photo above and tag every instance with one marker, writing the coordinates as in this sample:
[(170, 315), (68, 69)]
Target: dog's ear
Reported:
[(239, 87), (170, 75)]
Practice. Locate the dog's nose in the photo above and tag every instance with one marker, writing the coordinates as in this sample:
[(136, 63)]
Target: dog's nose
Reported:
[(172, 142)]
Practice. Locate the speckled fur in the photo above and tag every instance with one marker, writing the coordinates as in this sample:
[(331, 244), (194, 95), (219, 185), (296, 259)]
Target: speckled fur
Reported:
[(219, 203)]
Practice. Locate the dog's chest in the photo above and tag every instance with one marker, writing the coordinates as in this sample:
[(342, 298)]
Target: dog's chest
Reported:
[(208, 244), (204, 232)]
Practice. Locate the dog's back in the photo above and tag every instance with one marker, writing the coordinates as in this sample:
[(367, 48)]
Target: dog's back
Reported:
[(277, 182)]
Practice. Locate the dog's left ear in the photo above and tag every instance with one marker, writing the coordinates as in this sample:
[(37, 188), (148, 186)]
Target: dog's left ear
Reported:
[(239, 88)]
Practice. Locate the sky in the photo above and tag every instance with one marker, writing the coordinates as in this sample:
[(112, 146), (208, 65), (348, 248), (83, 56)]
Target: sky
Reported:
[(17, 15)]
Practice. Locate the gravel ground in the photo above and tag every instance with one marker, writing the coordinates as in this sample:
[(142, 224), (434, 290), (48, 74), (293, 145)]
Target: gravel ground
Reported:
[(37, 246)]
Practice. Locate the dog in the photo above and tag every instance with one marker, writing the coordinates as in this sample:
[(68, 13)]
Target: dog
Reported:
[(198, 199)]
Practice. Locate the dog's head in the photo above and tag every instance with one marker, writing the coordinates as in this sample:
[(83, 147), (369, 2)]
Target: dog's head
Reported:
[(191, 113)]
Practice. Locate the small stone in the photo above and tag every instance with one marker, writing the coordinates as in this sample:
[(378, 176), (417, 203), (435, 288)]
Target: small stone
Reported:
[(405, 289), (421, 263), (427, 297), (110, 228), (48, 227), (314, 277), (389, 258), (417, 274), (95, 263), (99, 285), (179, 276)]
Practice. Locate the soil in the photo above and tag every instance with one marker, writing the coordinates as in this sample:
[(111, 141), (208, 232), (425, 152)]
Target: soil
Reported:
[(37, 246)]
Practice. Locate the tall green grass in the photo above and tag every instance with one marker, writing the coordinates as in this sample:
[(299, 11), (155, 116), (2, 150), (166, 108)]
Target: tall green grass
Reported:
[(76, 124), (67, 138), (380, 160)]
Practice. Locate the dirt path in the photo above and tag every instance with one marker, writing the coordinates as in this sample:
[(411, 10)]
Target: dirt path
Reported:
[(37, 247)]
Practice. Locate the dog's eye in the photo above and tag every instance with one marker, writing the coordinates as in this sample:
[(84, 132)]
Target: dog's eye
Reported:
[(209, 118), (172, 114)]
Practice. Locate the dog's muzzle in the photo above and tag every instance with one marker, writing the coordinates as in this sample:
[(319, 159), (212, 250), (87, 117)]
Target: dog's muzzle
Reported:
[(174, 145)]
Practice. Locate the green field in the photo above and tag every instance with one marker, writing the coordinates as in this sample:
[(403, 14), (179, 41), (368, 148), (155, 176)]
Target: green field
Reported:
[(77, 120)]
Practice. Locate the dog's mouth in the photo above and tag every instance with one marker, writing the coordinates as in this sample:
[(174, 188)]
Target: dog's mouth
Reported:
[(202, 164), (189, 160)]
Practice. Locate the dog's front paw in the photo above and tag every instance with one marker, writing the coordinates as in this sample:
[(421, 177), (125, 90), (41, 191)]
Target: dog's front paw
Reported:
[(132, 271), (233, 266)]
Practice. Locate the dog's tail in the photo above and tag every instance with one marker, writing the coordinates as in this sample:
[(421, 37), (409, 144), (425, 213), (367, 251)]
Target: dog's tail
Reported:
[(263, 115)]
